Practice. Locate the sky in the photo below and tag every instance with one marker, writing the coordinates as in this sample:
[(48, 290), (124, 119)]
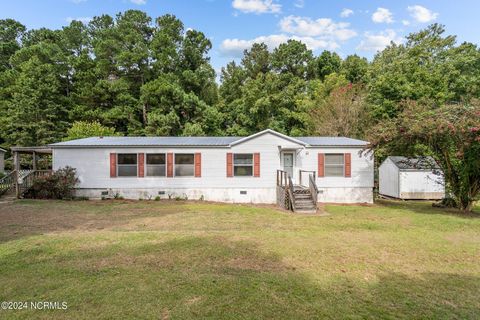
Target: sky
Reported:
[(344, 26)]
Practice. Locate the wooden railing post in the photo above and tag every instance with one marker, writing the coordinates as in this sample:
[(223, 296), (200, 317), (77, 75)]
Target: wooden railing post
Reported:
[(285, 186), (289, 186), (301, 172), (313, 188), (34, 161), (17, 187)]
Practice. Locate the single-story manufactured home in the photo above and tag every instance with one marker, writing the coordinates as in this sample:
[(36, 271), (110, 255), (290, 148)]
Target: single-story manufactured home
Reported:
[(411, 178), (226, 169), (2, 160)]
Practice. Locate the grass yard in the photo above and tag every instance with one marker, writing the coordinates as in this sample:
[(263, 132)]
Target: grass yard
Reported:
[(187, 260)]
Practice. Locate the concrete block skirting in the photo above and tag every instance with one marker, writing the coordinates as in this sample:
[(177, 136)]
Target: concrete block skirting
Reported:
[(229, 195)]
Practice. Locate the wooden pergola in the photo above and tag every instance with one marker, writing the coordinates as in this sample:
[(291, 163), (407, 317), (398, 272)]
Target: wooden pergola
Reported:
[(34, 151), (23, 180)]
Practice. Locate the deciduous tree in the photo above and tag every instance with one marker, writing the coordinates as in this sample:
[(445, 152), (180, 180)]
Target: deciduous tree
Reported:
[(84, 129), (355, 69), (428, 67), (343, 113), (450, 133)]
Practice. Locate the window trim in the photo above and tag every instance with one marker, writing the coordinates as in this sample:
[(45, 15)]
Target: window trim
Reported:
[(243, 165), (118, 166), (325, 165), (147, 165), (175, 165)]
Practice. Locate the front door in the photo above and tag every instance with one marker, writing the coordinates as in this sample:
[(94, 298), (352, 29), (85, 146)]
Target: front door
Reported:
[(288, 163)]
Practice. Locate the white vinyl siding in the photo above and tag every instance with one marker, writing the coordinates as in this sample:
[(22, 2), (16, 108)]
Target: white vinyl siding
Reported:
[(388, 183), (421, 185)]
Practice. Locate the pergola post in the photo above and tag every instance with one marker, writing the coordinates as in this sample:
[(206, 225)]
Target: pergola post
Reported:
[(34, 161), (16, 161), (16, 167)]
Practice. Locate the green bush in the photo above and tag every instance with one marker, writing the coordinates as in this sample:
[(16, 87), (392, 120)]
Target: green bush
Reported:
[(59, 185), (447, 202)]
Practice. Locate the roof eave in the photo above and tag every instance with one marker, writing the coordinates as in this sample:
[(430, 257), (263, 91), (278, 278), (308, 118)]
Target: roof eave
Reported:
[(417, 169), (335, 146), (278, 134), (134, 146), (37, 149), (187, 146)]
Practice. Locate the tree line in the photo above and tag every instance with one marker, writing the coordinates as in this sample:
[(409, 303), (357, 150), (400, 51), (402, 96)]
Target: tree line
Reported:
[(142, 76), (135, 75)]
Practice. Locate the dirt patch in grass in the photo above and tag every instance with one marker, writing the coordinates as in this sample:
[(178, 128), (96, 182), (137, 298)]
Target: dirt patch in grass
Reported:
[(425, 207), (19, 219), (464, 237), (209, 254)]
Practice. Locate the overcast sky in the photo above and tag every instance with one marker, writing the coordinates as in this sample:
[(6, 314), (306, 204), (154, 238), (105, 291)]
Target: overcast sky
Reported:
[(347, 27)]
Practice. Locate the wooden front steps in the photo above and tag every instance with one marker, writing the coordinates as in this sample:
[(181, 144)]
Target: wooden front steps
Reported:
[(297, 198), (303, 200)]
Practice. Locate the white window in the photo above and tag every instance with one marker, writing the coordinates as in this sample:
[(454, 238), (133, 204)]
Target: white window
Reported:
[(243, 164), (156, 164), (334, 165), (184, 164), (127, 165)]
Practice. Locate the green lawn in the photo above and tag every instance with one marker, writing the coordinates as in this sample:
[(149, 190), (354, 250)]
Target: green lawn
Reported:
[(187, 260)]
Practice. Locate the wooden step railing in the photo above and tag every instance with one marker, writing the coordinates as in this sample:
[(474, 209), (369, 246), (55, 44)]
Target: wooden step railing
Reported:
[(312, 185), (284, 192), (290, 193), (7, 183), (301, 178)]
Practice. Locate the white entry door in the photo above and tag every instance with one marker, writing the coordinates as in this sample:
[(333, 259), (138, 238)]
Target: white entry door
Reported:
[(288, 163)]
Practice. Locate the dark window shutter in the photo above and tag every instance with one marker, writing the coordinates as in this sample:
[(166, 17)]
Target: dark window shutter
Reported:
[(321, 165), (229, 164), (141, 165), (198, 165), (113, 165), (256, 164), (348, 165), (169, 165)]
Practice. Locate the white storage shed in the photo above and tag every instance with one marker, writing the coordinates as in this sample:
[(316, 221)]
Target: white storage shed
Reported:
[(411, 178)]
